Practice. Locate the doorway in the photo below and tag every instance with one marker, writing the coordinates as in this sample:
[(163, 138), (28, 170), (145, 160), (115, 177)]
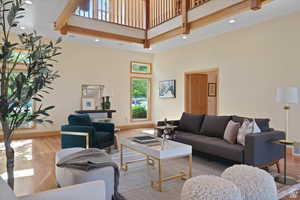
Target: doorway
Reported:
[(201, 92)]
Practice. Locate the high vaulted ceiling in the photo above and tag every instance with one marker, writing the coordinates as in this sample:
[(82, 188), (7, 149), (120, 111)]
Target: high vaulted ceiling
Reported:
[(42, 14)]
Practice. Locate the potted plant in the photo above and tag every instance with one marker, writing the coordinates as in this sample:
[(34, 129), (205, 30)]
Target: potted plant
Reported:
[(17, 90)]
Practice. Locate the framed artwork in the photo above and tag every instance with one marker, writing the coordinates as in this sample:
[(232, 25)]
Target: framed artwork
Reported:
[(212, 89), (140, 68), (88, 104), (167, 89)]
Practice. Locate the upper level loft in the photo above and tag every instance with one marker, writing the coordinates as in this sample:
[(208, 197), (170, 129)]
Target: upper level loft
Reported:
[(146, 21)]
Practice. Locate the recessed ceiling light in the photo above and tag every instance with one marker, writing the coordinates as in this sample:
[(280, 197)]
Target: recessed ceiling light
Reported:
[(184, 37), (22, 27), (28, 2), (232, 21), (97, 40)]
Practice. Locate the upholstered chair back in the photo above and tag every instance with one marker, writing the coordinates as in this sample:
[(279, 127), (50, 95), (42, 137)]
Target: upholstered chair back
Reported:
[(80, 120)]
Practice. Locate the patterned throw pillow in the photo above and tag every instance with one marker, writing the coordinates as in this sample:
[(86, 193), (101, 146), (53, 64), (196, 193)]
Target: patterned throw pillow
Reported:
[(247, 128), (231, 132)]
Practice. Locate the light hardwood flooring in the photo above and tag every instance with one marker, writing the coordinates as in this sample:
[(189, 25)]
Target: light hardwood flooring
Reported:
[(35, 162)]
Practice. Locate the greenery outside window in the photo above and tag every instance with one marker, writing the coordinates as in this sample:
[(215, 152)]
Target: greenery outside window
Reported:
[(140, 105)]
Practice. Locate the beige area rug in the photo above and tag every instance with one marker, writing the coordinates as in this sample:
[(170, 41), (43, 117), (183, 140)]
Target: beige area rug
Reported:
[(135, 183)]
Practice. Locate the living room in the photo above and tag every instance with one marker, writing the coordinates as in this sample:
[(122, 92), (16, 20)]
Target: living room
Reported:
[(253, 51)]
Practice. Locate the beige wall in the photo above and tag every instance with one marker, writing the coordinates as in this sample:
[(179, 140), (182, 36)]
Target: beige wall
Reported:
[(253, 62), (86, 64)]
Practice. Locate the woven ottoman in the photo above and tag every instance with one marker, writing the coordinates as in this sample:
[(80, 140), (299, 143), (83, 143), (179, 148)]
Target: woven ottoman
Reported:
[(209, 188), (68, 177), (254, 183)]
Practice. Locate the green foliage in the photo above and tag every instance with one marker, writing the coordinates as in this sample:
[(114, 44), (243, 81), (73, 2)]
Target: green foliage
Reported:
[(139, 112), (19, 89), (139, 88)]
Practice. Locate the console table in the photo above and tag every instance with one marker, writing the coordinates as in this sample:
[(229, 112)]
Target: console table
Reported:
[(108, 112)]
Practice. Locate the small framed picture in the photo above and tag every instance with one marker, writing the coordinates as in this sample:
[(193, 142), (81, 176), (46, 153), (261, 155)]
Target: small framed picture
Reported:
[(140, 68), (167, 89), (88, 104), (212, 89)]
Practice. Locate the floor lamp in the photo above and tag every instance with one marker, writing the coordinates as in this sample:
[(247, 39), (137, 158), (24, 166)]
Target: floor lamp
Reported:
[(286, 96)]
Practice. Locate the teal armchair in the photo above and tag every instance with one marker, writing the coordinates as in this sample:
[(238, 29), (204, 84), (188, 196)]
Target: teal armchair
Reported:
[(82, 132)]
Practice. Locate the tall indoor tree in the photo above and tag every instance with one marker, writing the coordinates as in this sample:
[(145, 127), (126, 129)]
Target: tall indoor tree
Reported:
[(18, 90)]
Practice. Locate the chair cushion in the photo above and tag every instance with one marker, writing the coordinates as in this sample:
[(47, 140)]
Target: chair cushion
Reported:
[(5, 191), (101, 137), (214, 126), (190, 122), (212, 145), (80, 119), (263, 124)]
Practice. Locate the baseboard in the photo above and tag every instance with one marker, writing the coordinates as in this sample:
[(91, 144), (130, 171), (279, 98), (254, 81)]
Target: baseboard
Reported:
[(30, 135), (135, 126)]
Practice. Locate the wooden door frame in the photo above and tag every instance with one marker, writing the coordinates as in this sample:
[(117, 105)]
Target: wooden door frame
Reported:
[(204, 71)]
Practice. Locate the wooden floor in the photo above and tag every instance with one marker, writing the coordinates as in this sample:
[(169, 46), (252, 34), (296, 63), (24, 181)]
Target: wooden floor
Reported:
[(35, 158)]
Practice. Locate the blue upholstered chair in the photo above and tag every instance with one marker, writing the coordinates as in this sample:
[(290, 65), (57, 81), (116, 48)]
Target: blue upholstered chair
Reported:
[(82, 132)]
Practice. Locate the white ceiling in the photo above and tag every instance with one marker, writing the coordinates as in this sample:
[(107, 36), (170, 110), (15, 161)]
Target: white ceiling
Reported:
[(41, 15)]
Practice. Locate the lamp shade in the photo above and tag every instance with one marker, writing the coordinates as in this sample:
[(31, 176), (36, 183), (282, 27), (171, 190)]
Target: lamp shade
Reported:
[(287, 95)]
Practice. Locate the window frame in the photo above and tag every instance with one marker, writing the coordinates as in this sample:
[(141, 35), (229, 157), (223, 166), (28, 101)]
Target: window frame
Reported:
[(149, 99), (141, 73)]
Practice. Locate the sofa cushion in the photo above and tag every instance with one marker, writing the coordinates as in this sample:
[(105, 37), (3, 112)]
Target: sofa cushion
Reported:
[(263, 124), (80, 120), (214, 126), (190, 122), (212, 145)]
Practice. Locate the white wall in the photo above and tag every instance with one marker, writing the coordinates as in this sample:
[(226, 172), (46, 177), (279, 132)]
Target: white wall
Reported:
[(253, 62), (86, 64)]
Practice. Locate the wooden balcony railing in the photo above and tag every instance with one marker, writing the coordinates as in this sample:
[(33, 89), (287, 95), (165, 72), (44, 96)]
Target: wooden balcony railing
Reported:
[(132, 13)]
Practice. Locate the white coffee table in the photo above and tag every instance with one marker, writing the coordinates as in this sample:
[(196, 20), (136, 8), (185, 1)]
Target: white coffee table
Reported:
[(170, 150)]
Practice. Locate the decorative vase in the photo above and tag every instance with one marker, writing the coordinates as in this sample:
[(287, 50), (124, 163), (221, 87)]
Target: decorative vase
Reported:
[(107, 103), (103, 103)]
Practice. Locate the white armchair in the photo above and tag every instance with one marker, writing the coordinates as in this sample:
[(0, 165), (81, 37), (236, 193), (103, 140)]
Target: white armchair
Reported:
[(91, 191)]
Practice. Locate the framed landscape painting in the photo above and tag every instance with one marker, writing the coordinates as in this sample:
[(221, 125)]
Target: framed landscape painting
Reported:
[(167, 89), (140, 68)]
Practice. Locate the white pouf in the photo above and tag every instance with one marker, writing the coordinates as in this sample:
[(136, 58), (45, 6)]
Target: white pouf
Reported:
[(68, 177), (209, 188), (254, 183)]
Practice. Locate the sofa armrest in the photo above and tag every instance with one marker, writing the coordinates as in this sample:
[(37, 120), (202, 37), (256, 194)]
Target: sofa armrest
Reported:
[(104, 126), (261, 150), (91, 191), (76, 128)]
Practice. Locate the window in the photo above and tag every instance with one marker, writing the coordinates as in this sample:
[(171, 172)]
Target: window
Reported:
[(140, 98)]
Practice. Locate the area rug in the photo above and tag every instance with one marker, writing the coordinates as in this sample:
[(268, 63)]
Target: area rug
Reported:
[(135, 183)]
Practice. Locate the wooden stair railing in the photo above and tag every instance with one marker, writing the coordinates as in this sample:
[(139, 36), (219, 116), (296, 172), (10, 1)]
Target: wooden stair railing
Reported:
[(132, 13)]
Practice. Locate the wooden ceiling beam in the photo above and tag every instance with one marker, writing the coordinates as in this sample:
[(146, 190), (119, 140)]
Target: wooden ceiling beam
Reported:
[(63, 18), (101, 34), (209, 19), (256, 4), (185, 22)]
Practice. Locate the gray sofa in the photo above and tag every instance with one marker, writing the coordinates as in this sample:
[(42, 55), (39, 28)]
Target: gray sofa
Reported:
[(205, 134)]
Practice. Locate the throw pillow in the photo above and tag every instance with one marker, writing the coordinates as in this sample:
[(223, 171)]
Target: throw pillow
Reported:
[(190, 122), (214, 126), (263, 124), (247, 128), (231, 132)]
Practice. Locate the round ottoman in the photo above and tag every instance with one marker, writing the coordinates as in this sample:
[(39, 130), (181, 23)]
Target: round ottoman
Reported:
[(209, 187), (68, 177), (254, 183)]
